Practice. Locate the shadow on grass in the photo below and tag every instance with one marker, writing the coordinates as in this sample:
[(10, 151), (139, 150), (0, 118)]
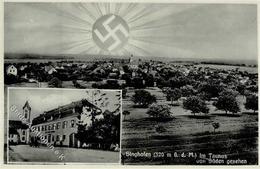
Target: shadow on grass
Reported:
[(159, 119), (151, 119), (226, 115), (199, 116), (250, 113), (140, 106)]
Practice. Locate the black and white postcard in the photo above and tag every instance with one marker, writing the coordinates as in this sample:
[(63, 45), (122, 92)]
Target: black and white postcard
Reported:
[(188, 75)]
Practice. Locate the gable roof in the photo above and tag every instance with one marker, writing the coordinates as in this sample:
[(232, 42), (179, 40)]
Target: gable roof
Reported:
[(11, 66)]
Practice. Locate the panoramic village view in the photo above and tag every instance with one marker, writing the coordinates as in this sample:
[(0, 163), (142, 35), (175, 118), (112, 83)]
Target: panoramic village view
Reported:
[(187, 73)]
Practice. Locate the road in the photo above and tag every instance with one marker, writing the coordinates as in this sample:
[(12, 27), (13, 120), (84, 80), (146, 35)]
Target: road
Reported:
[(25, 153)]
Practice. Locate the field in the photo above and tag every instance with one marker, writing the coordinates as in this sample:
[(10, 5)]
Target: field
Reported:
[(236, 137)]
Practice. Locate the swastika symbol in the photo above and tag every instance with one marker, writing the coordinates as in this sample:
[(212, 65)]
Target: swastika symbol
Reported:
[(110, 32)]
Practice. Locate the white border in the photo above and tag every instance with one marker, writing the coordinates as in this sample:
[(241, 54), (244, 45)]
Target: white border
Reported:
[(148, 1), (62, 163)]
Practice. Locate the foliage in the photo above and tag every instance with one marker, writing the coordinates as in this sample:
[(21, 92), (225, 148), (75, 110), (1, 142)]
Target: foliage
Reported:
[(126, 113), (187, 91), (229, 92), (160, 129), (241, 89), (55, 82), (159, 111), (143, 98), (210, 89), (137, 83), (10, 79), (149, 80), (215, 125), (252, 102), (104, 131), (177, 82), (227, 102), (124, 91), (173, 95), (195, 105)]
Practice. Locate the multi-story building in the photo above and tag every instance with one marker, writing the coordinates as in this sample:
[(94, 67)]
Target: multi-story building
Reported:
[(59, 125)]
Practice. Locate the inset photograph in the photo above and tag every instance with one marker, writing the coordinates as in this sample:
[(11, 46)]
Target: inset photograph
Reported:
[(63, 126)]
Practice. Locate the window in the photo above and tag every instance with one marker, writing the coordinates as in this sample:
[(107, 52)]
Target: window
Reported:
[(57, 138), (52, 138), (25, 115), (49, 127), (23, 138), (58, 125), (53, 126), (43, 128), (39, 128), (72, 123), (45, 137), (64, 137), (64, 124), (23, 132)]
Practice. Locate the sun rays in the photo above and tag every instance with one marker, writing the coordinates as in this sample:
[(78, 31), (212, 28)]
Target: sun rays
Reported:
[(149, 26), (77, 20)]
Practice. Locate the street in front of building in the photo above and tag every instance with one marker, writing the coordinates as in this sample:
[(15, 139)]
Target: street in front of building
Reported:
[(25, 153)]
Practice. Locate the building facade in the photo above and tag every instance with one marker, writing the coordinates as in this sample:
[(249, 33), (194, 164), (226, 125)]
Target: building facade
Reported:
[(59, 125), (11, 70)]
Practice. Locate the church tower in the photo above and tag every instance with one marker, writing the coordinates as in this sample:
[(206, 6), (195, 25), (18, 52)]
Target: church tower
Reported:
[(131, 59), (27, 112)]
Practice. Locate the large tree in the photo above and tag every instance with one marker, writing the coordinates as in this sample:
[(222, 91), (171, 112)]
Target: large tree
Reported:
[(252, 102), (159, 111), (143, 98), (227, 102), (173, 95), (195, 105)]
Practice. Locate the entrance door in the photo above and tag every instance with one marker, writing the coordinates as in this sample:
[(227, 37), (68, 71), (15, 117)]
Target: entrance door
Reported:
[(72, 140)]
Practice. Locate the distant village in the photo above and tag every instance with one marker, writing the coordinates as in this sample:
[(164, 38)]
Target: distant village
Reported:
[(122, 73)]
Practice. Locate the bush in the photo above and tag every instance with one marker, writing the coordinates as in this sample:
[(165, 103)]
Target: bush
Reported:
[(160, 129), (55, 82)]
